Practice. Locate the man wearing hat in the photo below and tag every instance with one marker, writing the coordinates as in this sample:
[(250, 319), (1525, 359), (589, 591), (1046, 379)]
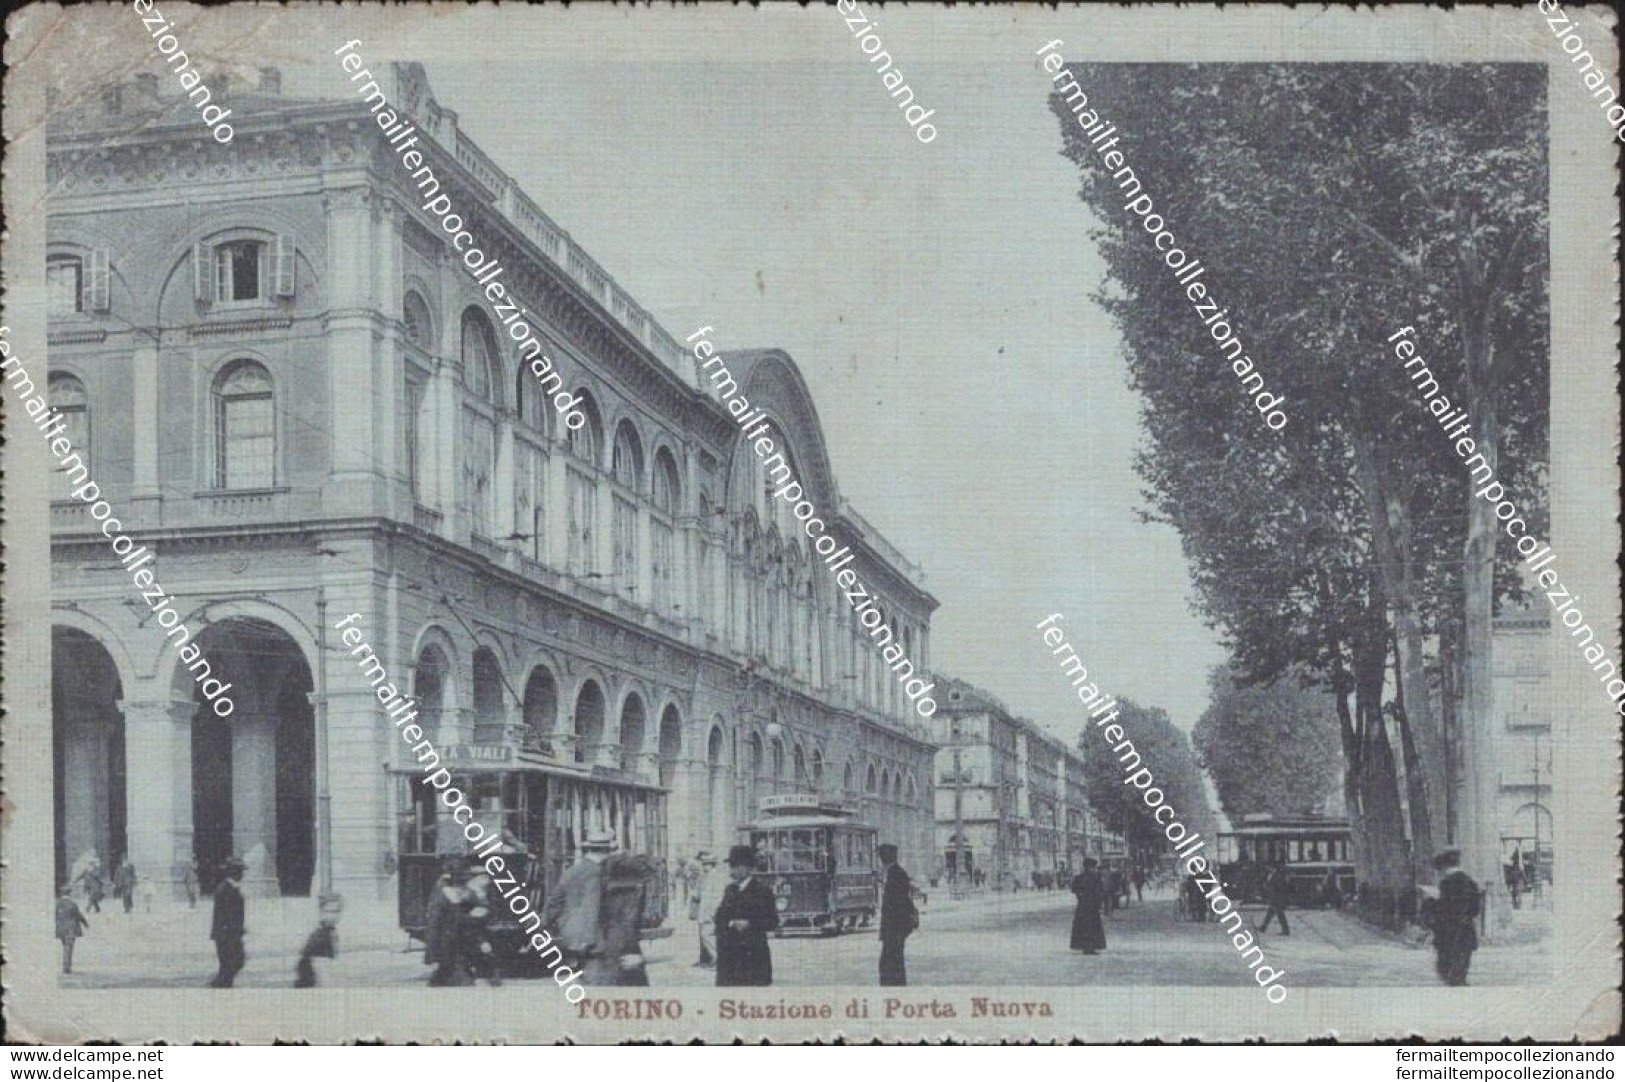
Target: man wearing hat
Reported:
[(744, 917), (572, 909), (448, 933), (898, 917), (1454, 918), (227, 929)]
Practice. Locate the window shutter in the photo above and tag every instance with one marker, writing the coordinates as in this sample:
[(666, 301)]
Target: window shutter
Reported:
[(99, 293), (202, 277), (283, 274)]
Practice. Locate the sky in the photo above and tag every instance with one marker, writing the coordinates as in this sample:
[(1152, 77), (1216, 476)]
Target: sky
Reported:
[(936, 299)]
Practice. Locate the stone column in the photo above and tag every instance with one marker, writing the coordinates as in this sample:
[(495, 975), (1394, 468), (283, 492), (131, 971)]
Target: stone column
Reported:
[(253, 799), (144, 425), (502, 501), (556, 543), (85, 777), (158, 751), (352, 349), (359, 738)]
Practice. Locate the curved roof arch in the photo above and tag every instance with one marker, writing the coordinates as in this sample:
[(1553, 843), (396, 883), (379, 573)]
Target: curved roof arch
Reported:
[(769, 380)]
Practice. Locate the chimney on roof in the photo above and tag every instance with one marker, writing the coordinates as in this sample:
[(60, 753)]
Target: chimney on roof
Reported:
[(146, 83), (270, 80), (113, 100)]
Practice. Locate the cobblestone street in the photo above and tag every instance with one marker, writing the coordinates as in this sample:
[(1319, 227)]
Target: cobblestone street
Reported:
[(993, 940)]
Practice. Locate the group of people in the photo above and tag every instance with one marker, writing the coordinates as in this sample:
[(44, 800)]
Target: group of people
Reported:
[(71, 922), (733, 937)]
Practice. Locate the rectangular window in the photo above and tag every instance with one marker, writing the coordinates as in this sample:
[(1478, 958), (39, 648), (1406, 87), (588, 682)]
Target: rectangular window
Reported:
[(626, 545), (479, 469), (237, 270), (663, 545), (411, 444), (247, 442), (76, 430), (63, 292), (583, 523)]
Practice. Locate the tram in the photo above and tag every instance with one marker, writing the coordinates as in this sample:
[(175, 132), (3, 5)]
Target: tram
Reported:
[(1311, 847), (818, 861), (542, 810)]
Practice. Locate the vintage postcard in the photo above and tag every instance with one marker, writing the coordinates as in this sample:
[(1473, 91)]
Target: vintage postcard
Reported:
[(530, 524)]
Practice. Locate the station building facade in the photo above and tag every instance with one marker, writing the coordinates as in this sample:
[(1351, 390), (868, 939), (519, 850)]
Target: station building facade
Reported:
[(289, 388)]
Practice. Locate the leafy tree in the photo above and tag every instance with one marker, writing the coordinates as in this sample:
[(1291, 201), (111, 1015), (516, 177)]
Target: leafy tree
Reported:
[(1333, 204), (1163, 750), (1271, 748)]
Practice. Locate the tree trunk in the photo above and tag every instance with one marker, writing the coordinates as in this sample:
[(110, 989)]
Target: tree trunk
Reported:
[(1415, 792), (1422, 744), (1379, 783), (1480, 830)]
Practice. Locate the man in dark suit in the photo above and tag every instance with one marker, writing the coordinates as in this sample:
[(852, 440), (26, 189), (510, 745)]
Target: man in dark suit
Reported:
[(1454, 918), (1277, 891), (898, 917), (744, 917), (227, 929)]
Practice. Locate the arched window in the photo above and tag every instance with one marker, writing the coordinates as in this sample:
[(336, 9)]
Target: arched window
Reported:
[(626, 466), (582, 491), (244, 427), (799, 760), (778, 759), (869, 779), (530, 404), (67, 396), (817, 769), (482, 376), (663, 492), (415, 316), (479, 353), (586, 440), (626, 463), (664, 489)]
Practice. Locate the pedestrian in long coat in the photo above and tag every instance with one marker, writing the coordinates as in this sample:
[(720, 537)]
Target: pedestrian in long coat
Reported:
[(95, 885), (322, 943), (703, 889), (1454, 919), (573, 906), (226, 928), (898, 917), (449, 935), (1277, 892), (1088, 930), (744, 917), (626, 879), (124, 884), (70, 924)]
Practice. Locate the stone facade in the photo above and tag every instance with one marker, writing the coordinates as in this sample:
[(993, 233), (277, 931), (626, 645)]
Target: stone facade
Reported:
[(290, 389), (1011, 798), (1523, 735)]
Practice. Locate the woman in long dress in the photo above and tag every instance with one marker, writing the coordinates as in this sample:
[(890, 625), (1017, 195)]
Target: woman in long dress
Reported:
[(1088, 932)]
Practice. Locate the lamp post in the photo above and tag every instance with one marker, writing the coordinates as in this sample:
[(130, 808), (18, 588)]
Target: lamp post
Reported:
[(328, 900)]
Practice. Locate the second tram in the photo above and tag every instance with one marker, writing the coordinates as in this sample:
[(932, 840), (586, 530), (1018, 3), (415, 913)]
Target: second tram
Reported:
[(818, 861), (1315, 851)]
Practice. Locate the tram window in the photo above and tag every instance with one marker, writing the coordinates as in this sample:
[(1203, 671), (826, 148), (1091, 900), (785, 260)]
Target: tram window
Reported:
[(1314, 851)]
